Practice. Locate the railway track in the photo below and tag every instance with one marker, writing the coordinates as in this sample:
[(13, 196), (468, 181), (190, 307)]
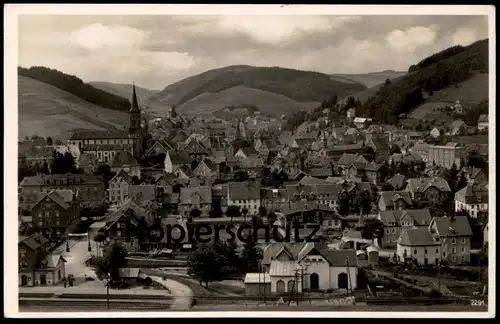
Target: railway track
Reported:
[(63, 305)]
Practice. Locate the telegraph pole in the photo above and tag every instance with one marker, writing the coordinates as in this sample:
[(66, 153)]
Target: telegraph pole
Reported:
[(67, 241), (348, 275)]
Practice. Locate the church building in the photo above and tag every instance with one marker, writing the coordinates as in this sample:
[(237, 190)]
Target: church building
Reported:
[(106, 144)]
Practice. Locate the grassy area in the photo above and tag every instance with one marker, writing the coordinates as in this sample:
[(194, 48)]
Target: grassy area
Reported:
[(48, 111), (299, 86)]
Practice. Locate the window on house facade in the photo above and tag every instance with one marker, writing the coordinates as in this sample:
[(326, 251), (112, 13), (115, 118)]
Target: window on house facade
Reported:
[(425, 251), (393, 231), (23, 264), (464, 240), (453, 241), (444, 254), (463, 250), (22, 253), (118, 233), (414, 251), (453, 250)]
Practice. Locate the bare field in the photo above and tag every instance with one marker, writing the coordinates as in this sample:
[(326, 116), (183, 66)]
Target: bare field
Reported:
[(48, 111)]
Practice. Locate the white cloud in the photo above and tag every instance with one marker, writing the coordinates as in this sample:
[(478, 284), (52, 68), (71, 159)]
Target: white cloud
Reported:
[(268, 29), (464, 36), (98, 36), (411, 39)]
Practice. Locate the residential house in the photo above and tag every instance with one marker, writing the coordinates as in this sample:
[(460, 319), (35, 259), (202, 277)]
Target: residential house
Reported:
[(196, 150), (447, 155), (274, 200), (336, 151), (127, 162), (184, 172), (246, 152), (245, 195), (406, 158), (458, 127), (326, 269), (142, 193), (122, 225), (55, 212), (398, 182), (379, 144), (435, 190), (207, 170), (176, 159), (421, 149), (323, 193), (482, 122), (347, 160), (435, 132), (199, 197), (160, 147), (118, 187), (304, 212), (473, 198), (89, 190), (36, 155), (88, 163), (396, 221), (361, 123), (375, 172), (351, 113), (35, 266), (252, 165), (457, 107), (474, 175), (446, 239), (394, 200)]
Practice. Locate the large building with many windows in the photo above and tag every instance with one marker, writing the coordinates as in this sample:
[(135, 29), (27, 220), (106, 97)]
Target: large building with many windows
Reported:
[(105, 144), (446, 155)]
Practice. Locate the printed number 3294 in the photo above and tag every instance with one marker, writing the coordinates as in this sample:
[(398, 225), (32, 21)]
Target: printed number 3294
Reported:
[(477, 302)]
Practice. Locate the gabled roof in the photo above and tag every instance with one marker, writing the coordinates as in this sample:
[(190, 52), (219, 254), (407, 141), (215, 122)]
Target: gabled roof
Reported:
[(179, 157), (448, 226), (417, 236), (390, 197), (122, 158), (422, 184), (248, 151), (122, 174), (196, 195), (397, 181), (57, 198)]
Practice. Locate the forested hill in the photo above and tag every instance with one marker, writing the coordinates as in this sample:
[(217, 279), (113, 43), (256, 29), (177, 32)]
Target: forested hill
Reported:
[(75, 86), (441, 70)]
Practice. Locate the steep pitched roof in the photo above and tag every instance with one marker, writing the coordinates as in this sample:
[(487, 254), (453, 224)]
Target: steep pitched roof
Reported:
[(122, 158), (55, 197), (397, 181), (196, 195), (390, 197), (457, 226), (473, 194), (417, 236)]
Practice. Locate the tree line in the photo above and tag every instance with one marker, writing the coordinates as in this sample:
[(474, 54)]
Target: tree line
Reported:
[(75, 86), (399, 97)]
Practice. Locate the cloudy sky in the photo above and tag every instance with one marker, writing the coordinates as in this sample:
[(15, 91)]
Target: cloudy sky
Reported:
[(155, 51)]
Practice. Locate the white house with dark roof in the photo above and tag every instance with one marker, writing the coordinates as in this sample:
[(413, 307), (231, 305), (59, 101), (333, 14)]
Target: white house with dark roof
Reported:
[(445, 239), (118, 187), (396, 221), (245, 195), (473, 198), (324, 269), (482, 122), (474, 175)]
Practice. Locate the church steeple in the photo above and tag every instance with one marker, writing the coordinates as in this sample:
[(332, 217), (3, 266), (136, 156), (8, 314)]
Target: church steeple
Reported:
[(135, 106)]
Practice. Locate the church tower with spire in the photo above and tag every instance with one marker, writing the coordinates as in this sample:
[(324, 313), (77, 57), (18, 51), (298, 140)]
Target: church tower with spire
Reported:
[(135, 115)]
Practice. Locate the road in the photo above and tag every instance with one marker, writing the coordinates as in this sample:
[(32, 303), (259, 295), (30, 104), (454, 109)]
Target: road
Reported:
[(93, 305)]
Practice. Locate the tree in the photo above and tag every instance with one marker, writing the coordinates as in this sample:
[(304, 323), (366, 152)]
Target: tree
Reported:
[(114, 258), (100, 237), (233, 211), (344, 204), (251, 257), (461, 183), (49, 141), (262, 211), (195, 213), (244, 211), (215, 211), (395, 149), (241, 175), (104, 171), (63, 163), (369, 153), (206, 264), (232, 257)]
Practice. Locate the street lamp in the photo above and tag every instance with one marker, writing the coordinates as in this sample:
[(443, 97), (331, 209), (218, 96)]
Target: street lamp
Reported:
[(108, 275), (67, 241)]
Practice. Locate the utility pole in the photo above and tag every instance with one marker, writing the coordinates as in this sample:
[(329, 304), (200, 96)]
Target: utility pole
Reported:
[(67, 241), (348, 275), (88, 238), (107, 287)]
